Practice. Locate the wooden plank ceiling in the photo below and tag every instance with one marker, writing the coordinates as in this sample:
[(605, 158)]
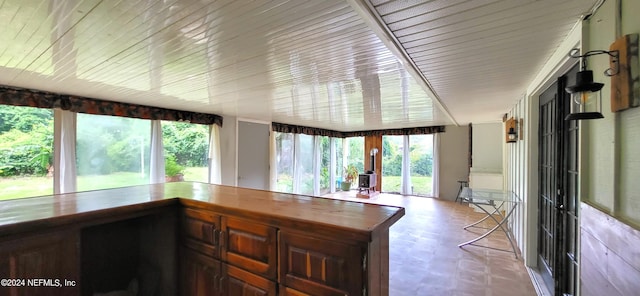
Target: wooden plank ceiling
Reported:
[(313, 63)]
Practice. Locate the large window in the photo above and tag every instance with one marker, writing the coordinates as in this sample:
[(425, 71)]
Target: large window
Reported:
[(421, 163), (26, 152), (284, 162), (356, 153), (186, 147), (305, 164), (112, 151)]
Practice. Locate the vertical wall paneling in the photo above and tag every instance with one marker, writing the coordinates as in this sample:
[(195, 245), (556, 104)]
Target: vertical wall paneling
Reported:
[(610, 212), (516, 172)]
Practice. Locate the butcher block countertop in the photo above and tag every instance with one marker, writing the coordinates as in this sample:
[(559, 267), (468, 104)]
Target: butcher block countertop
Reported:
[(358, 221)]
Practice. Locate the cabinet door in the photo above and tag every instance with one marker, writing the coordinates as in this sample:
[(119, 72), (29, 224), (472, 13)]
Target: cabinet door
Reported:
[(320, 267), (199, 274), (250, 246), (238, 282), (52, 257), (201, 231), (286, 291)]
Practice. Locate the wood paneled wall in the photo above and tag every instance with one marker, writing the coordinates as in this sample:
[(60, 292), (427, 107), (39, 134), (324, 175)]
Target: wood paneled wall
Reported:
[(610, 262), (371, 142)]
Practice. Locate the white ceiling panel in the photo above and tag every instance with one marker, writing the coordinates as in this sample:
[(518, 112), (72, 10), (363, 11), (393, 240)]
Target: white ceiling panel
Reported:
[(313, 63), (479, 56)]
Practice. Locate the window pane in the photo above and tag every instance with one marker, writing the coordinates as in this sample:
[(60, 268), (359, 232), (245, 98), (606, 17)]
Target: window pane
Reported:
[(304, 164), (355, 157), (186, 147), (325, 162), (356, 153), (284, 162), (392, 163), (421, 154), (26, 152), (112, 151)]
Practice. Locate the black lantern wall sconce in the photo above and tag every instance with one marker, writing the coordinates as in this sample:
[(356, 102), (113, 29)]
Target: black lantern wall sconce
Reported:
[(623, 70), (513, 128), (586, 92)]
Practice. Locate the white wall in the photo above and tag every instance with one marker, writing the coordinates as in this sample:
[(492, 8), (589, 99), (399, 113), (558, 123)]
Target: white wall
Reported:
[(228, 151), (487, 147), (454, 163)]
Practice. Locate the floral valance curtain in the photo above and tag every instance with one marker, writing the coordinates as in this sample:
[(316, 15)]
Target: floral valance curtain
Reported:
[(40, 99), (297, 129), (398, 131)]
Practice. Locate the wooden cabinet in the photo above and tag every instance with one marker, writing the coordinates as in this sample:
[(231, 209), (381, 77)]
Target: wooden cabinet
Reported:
[(201, 231), (239, 282), (52, 257), (189, 238), (320, 267), (226, 255), (200, 274), (203, 275), (250, 246)]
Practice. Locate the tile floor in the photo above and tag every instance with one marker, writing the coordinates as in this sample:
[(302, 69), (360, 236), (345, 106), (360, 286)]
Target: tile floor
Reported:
[(424, 258)]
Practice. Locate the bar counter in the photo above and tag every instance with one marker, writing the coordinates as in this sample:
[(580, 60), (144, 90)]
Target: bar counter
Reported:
[(278, 243)]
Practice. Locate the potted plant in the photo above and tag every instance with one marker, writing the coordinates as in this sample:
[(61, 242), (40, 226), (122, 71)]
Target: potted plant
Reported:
[(350, 176), (173, 171)]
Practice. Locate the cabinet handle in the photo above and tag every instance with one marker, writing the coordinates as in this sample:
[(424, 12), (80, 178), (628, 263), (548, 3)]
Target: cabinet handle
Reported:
[(215, 280), (221, 288)]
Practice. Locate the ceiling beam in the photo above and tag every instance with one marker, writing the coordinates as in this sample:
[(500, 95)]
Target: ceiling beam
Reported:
[(374, 21)]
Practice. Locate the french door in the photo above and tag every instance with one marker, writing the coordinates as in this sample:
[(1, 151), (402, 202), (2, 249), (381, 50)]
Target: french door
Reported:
[(558, 227)]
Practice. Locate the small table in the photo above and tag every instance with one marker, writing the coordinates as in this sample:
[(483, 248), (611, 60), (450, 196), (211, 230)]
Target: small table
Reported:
[(495, 199)]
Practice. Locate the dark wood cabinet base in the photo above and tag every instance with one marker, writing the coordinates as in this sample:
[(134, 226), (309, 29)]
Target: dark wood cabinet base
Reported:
[(194, 239)]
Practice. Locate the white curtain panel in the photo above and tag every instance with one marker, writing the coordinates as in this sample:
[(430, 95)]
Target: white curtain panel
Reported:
[(64, 162), (273, 157), (316, 165), (406, 168), (156, 166), (332, 165), (296, 162), (215, 158), (435, 169)]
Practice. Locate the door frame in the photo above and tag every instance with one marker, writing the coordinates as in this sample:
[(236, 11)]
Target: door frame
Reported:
[(556, 66), (559, 64)]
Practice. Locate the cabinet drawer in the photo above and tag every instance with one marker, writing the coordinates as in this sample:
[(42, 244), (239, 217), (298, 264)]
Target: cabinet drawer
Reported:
[(320, 267), (286, 291), (250, 246), (240, 283), (201, 231)]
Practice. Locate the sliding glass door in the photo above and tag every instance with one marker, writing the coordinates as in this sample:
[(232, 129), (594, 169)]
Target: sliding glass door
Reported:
[(407, 164), (421, 164)]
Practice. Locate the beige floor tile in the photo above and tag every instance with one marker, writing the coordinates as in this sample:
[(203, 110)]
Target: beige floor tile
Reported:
[(424, 258)]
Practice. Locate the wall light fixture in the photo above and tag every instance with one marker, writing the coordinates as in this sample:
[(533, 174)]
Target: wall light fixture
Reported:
[(624, 73), (586, 93)]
